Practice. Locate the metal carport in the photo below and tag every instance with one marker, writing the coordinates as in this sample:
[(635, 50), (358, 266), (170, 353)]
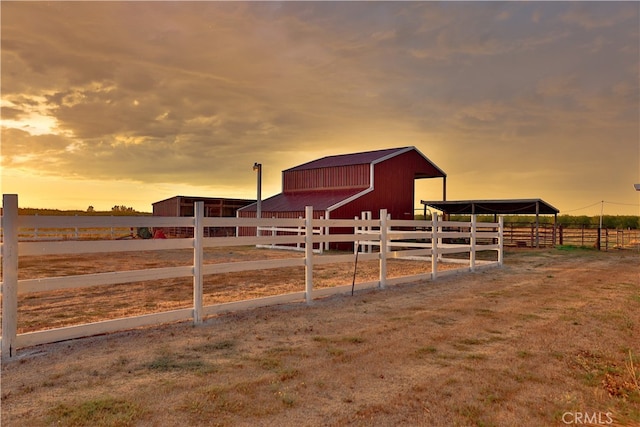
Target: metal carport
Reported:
[(535, 207)]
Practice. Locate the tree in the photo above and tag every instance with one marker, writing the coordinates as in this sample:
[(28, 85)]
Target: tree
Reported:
[(122, 208), (91, 209)]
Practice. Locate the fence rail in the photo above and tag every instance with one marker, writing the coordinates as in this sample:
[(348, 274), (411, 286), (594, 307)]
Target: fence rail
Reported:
[(394, 238), (524, 235)]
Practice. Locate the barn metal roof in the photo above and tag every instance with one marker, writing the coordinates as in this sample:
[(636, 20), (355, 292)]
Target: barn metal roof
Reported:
[(287, 202), (500, 207), (366, 157)]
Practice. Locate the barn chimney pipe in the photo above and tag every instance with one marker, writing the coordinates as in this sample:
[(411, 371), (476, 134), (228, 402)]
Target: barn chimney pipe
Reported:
[(258, 167)]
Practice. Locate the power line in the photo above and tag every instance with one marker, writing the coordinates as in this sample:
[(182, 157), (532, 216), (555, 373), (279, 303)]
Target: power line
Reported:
[(600, 202), (624, 204), (579, 209)]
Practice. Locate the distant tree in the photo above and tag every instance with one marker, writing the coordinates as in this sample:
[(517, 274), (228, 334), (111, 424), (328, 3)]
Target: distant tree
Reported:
[(122, 208), (91, 209)]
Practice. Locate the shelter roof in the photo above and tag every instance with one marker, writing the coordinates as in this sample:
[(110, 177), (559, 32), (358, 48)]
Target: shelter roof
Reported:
[(502, 207), (287, 202)]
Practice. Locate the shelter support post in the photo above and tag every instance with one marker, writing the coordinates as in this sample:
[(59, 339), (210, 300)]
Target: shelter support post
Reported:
[(444, 188)]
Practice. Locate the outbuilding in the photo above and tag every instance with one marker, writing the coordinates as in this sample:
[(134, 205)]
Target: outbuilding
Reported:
[(213, 207), (343, 186)]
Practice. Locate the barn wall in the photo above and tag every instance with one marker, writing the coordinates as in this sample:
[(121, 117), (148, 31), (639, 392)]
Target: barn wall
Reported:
[(169, 207), (394, 189), (337, 177)]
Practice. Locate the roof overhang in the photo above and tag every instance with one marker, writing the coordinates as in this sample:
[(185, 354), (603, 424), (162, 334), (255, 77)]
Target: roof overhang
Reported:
[(499, 207)]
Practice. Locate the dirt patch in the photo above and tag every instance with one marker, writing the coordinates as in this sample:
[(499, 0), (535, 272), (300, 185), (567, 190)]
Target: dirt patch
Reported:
[(552, 334)]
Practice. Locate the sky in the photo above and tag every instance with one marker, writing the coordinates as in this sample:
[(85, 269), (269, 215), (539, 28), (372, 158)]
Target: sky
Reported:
[(128, 103)]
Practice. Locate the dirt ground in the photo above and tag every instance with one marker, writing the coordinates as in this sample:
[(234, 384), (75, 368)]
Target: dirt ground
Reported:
[(551, 338), (67, 307)]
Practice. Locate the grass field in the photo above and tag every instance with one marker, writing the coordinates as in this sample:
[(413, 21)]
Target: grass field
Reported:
[(53, 309), (553, 336)]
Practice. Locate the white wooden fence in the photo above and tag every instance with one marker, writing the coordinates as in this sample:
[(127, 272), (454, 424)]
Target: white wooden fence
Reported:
[(383, 232)]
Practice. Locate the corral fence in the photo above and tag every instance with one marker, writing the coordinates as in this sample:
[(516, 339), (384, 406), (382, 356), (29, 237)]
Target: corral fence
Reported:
[(393, 238), (519, 234)]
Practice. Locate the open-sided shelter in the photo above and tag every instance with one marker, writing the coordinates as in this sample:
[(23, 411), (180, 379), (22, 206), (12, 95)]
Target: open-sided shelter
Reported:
[(535, 207), (213, 207)]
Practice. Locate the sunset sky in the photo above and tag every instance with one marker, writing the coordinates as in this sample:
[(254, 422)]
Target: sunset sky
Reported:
[(128, 103)]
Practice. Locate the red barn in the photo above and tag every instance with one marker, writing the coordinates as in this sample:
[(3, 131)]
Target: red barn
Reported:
[(343, 186)]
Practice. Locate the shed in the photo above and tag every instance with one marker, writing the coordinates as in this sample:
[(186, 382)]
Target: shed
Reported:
[(343, 186), (213, 207)]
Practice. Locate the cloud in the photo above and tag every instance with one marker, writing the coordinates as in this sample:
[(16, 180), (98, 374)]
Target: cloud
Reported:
[(595, 15), (196, 92)]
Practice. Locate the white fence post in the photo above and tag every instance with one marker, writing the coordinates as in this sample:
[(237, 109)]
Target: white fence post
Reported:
[(472, 249), (370, 246), (9, 274), (500, 240), (273, 233), (383, 248), (321, 244), (308, 254), (198, 236), (434, 246), (326, 232)]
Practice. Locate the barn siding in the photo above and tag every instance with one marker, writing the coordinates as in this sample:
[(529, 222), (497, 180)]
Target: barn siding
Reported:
[(394, 189), (336, 177)]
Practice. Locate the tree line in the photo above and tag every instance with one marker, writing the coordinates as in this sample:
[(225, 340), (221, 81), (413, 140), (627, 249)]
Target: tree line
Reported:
[(116, 210), (608, 221)]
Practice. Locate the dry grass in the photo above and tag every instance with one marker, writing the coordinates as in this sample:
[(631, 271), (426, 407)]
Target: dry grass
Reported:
[(551, 332), (54, 309)]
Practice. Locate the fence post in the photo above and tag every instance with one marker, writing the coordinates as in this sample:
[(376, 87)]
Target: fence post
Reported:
[(383, 248), (367, 215), (500, 241), (198, 236), (472, 249), (308, 254), (434, 246), (9, 274), (321, 244), (356, 231)]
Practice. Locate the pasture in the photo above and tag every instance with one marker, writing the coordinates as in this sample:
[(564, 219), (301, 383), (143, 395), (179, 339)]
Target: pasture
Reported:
[(550, 337)]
